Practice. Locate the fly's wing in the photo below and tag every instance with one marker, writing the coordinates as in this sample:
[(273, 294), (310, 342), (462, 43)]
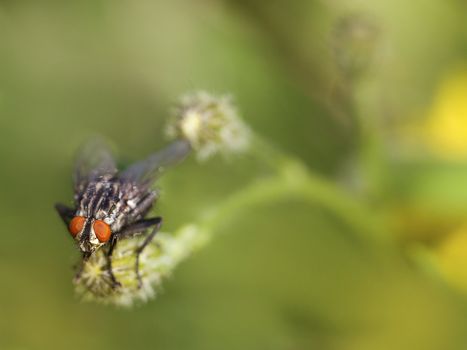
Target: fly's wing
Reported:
[(145, 172), (93, 160)]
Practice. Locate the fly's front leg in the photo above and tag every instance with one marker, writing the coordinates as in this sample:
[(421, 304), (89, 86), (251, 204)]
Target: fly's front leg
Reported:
[(113, 243), (66, 213), (135, 229), (78, 274)]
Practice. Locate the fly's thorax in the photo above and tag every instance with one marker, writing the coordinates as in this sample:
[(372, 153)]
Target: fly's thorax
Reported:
[(99, 198), (114, 201)]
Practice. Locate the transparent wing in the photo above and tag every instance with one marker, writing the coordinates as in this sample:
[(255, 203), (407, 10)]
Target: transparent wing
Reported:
[(145, 172), (93, 159)]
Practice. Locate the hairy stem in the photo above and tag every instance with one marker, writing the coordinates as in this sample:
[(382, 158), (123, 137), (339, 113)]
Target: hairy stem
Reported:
[(292, 180)]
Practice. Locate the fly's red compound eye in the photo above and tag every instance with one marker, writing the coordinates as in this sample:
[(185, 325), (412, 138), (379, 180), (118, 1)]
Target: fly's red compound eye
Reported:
[(76, 225), (102, 231)]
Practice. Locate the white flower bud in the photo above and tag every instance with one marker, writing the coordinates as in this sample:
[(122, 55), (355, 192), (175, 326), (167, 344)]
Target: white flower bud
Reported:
[(210, 123)]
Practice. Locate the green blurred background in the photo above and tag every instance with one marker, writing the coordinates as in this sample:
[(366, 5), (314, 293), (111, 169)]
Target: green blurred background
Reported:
[(370, 95)]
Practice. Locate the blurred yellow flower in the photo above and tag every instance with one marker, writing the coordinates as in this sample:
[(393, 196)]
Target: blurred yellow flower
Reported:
[(451, 256), (445, 130)]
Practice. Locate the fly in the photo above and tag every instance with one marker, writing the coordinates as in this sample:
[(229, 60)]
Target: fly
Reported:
[(110, 204)]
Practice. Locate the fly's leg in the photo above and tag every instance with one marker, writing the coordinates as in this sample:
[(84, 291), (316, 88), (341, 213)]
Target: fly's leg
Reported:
[(135, 229), (138, 227), (78, 274), (140, 249), (113, 243), (65, 213)]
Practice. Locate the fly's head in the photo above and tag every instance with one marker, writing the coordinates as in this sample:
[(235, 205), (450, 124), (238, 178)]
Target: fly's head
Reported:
[(89, 233)]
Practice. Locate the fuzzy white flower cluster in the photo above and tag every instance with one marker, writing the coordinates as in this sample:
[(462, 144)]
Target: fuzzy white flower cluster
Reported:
[(156, 262), (210, 123)]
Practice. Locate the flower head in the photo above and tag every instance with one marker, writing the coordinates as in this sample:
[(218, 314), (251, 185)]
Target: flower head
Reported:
[(210, 123), (157, 261), (445, 130)]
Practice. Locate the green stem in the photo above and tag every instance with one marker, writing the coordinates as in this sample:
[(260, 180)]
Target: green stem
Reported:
[(291, 181), (294, 181)]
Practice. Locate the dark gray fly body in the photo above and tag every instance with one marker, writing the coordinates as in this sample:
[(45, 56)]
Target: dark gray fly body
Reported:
[(109, 204)]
